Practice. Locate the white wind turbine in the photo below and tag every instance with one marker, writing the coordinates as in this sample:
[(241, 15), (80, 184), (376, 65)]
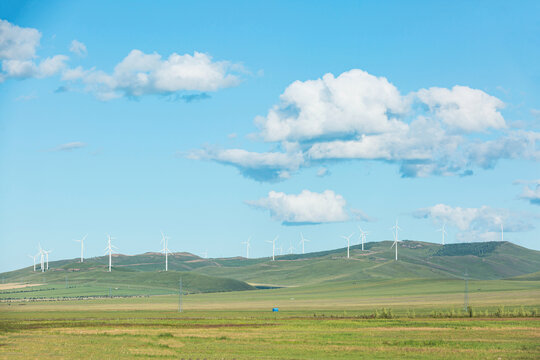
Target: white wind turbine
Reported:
[(396, 228), (291, 248), (363, 236), (273, 242), (248, 245), (302, 241), (47, 252), (109, 250), (165, 250), (33, 257), (82, 246), (42, 258), (502, 232), (348, 238), (443, 232)]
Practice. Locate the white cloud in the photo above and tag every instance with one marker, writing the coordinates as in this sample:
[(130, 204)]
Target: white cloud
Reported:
[(354, 102), (532, 193), (357, 116), (141, 74), (78, 48), (305, 208), (267, 166), (463, 108), (18, 54), (69, 146), (24, 69), (477, 220), (17, 43), (517, 144), (323, 171)]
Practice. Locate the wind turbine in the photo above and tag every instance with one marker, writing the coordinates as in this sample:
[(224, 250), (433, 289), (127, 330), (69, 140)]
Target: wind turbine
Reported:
[(502, 232), (273, 242), (363, 236), (42, 258), (82, 246), (291, 248), (248, 245), (348, 238), (443, 231), (302, 241), (165, 250), (109, 250), (396, 228), (47, 252), (33, 258)]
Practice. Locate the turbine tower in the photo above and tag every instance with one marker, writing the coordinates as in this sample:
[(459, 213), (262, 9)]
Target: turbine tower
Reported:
[(165, 250), (291, 248), (248, 245), (33, 257), (443, 232), (302, 241), (47, 252), (348, 238), (502, 232), (396, 228), (273, 242), (109, 250), (82, 246), (42, 258), (363, 236)]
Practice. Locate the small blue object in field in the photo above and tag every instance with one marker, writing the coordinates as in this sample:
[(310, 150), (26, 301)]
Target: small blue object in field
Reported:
[(275, 309)]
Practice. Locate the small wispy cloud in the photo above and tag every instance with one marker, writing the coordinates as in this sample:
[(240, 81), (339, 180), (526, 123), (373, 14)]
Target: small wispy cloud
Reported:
[(323, 171), (61, 89), (78, 48), (69, 146), (531, 190), (28, 97), (478, 223), (362, 216)]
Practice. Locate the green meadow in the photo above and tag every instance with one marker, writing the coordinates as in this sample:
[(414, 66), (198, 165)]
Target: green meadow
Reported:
[(369, 306), (411, 318)]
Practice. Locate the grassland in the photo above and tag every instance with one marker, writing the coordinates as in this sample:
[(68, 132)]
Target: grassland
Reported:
[(329, 307), (314, 322)]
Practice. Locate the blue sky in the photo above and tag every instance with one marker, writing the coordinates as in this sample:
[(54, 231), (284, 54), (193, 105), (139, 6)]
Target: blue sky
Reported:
[(218, 121)]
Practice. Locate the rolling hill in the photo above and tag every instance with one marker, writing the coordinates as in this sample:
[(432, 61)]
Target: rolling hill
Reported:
[(417, 260), (486, 261)]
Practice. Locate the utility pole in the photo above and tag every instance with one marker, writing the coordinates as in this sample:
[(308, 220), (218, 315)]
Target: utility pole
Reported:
[(180, 295), (66, 282), (466, 291)]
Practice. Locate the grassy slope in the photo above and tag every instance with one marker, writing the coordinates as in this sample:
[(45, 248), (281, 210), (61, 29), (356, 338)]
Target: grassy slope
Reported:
[(416, 260), (97, 281)]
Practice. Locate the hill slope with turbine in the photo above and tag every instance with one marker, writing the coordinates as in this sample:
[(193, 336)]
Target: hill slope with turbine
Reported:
[(489, 260), (418, 260)]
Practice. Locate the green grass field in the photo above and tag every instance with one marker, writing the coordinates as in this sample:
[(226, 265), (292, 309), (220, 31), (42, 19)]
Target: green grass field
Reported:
[(333, 320), (369, 306)]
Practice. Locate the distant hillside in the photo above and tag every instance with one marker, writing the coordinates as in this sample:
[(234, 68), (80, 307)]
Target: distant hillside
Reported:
[(527, 277), (93, 273), (488, 260)]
